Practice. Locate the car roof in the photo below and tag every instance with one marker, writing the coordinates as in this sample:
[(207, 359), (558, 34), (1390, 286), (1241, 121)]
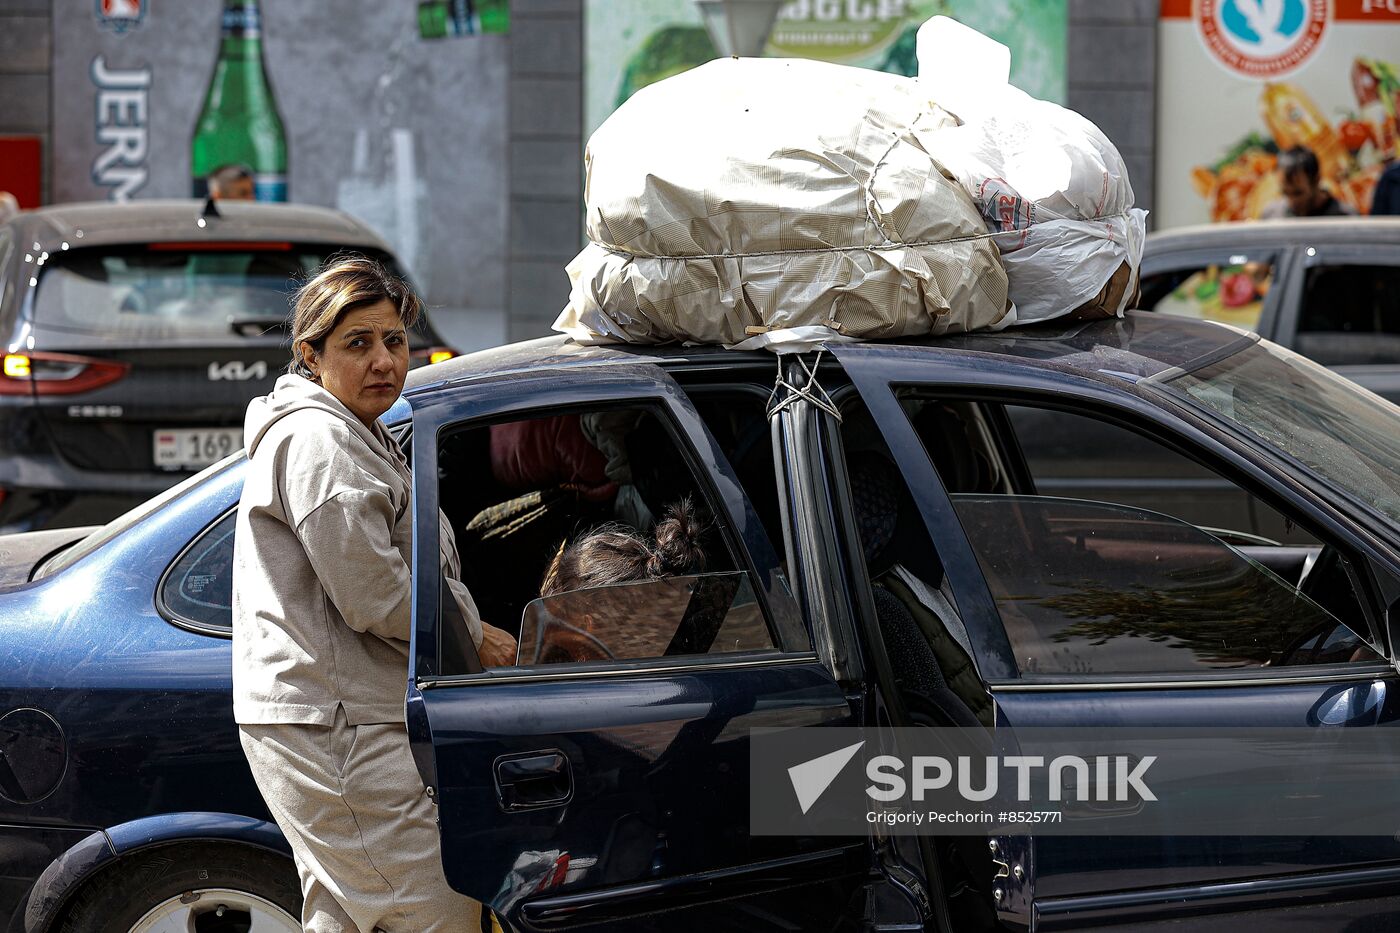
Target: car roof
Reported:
[(104, 223), (1291, 231), (560, 352), (1140, 344)]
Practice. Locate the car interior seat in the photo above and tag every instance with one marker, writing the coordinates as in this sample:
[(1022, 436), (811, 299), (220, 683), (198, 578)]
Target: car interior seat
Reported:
[(952, 443), (894, 543)]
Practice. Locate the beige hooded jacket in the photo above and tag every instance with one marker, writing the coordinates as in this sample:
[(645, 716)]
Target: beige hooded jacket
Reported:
[(321, 557)]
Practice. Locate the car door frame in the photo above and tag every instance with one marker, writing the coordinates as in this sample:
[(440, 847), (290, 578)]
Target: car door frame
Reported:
[(1275, 302), (877, 372), (817, 482), (489, 399)]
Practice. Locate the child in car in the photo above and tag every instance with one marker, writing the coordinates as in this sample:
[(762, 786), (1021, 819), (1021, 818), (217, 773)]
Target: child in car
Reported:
[(586, 582)]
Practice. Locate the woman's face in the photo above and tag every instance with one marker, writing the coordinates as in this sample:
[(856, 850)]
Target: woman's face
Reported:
[(364, 361)]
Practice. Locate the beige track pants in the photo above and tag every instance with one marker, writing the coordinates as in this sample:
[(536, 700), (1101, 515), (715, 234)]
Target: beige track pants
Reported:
[(362, 828)]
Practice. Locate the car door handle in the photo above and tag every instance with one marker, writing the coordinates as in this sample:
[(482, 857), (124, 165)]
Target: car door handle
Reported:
[(533, 780)]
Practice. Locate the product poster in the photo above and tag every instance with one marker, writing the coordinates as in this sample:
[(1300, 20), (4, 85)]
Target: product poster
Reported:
[(632, 43), (1241, 80), (373, 118)]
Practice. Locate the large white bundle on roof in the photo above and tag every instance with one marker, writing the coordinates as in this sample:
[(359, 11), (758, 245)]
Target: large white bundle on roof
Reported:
[(751, 195)]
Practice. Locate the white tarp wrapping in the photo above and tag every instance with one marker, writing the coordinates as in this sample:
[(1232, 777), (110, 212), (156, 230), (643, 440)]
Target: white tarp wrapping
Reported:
[(752, 196), (1055, 192)]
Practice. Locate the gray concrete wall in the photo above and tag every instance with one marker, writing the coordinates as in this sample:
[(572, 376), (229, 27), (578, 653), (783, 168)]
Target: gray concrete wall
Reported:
[(546, 160), (25, 45), (1112, 65)]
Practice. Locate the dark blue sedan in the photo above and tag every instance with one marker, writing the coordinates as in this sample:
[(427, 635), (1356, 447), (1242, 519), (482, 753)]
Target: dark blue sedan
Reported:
[(869, 538)]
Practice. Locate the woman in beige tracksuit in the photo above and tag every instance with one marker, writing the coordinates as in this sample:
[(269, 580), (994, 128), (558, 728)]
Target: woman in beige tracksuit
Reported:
[(321, 618)]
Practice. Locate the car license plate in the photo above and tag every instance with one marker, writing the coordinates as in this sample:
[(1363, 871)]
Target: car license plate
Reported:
[(192, 448)]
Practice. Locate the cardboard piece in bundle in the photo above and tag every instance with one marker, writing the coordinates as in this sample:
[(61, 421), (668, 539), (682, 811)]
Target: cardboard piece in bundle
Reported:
[(777, 202), (1053, 190)]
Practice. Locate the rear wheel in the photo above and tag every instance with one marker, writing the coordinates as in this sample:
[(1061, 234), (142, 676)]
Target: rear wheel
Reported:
[(190, 888)]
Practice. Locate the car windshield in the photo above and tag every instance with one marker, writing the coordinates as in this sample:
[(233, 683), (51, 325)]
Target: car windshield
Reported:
[(1340, 431), (165, 290)]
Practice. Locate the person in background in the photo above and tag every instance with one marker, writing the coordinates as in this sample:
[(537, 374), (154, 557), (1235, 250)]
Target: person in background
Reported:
[(1303, 194), (9, 206), (232, 183), (1385, 200)]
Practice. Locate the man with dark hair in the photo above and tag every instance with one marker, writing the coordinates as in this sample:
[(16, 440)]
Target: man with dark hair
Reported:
[(1303, 195), (231, 183)]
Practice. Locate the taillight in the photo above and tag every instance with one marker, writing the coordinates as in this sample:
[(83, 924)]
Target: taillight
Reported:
[(429, 355), (56, 373)]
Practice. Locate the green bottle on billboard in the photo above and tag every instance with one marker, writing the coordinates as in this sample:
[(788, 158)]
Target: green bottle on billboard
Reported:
[(492, 15), (239, 124)]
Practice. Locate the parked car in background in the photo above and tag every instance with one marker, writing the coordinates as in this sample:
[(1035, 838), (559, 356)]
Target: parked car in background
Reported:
[(1328, 288), (615, 790), (133, 336)]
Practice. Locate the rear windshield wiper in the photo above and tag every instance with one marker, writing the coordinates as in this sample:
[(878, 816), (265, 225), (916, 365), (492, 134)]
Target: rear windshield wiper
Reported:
[(256, 326)]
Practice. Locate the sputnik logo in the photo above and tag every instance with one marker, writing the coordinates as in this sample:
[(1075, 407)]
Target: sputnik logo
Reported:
[(811, 778)]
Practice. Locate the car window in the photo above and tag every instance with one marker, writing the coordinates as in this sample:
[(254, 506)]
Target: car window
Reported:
[(1073, 456), (1231, 290), (198, 587), (1089, 588), (1348, 437), (1350, 315), (518, 493), (164, 290), (714, 613), (1108, 552), (738, 419)]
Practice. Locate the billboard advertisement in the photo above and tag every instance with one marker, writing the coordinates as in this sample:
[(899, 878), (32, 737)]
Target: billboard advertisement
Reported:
[(376, 117), (1241, 80), (632, 43)]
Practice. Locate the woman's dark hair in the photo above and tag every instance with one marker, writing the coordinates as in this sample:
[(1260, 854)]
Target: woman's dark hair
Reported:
[(614, 554)]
